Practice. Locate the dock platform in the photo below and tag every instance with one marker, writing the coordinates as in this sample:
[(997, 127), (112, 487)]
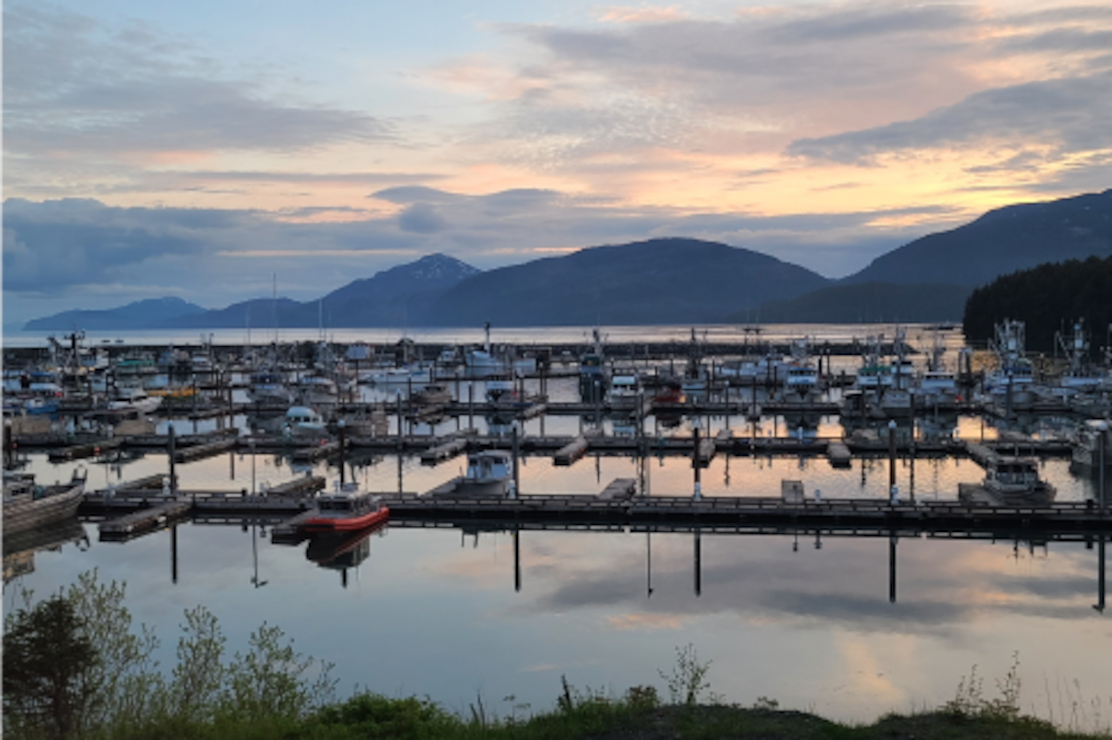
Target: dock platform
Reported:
[(144, 519)]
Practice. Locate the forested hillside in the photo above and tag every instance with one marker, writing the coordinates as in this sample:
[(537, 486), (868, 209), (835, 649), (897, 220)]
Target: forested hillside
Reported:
[(1049, 298)]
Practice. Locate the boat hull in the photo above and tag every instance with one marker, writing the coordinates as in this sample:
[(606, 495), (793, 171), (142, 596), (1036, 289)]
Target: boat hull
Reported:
[(27, 513), (348, 523)]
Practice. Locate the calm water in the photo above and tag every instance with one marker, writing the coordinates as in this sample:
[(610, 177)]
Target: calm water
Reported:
[(502, 335), (805, 620)]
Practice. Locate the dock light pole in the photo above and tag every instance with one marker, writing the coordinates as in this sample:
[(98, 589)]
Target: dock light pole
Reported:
[(727, 404), (893, 492), (695, 457), (517, 480), (598, 402), (340, 426), (1102, 427), (251, 447), (173, 456)]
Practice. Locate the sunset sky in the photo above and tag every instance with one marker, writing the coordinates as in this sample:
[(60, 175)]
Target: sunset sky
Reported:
[(196, 149)]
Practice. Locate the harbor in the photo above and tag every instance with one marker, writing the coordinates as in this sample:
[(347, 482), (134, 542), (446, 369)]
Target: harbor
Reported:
[(527, 486)]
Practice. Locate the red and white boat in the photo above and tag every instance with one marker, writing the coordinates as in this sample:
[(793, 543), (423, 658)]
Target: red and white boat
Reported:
[(346, 510)]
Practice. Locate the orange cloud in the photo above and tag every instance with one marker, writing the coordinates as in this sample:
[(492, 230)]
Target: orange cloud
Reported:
[(625, 14), (646, 622)]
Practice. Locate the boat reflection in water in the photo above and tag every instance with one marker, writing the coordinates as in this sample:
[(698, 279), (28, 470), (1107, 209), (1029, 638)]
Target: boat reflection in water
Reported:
[(20, 547), (343, 550)]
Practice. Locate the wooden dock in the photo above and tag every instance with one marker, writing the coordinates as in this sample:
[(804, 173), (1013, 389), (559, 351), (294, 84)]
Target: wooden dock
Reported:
[(144, 519), (81, 451), (444, 451), (200, 452), (138, 506), (316, 452), (572, 451), (838, 455), (297, 487), (730, 512), (619, 489)]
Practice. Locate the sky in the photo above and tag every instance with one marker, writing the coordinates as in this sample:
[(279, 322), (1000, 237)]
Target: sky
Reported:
[(205, 149)]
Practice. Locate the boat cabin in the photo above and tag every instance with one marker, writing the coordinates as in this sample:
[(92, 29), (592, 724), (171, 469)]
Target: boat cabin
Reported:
[(623, 386), (1013, 473), (348, 501), (302, 415), (490, 465)]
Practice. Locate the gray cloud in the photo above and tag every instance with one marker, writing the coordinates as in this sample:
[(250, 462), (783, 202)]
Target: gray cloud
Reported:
[(421, 218), (75, 87), (414, 194), (1071, 114)]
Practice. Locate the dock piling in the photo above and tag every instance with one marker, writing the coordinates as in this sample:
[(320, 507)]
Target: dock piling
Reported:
[(173, 457)]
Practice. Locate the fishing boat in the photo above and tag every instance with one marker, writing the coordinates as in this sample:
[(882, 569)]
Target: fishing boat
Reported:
[(1086, 452), (135, 399), (28, 505), (623, 390), (670, 390), (1015, 375), (1011, 481), (415, 374), (937, 384), (802, 377), (315, 388), (592, 370), (268, 386), (304, 421), (1081, 376), (489, 473), (346, 510), (434, 394), (481, 363)]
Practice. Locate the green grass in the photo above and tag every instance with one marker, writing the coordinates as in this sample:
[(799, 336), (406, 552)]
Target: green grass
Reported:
[(368, 716)]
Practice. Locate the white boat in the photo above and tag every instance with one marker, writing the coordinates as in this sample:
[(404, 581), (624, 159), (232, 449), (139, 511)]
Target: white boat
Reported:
[(1080, 377), (135, 399), (303, 421), (1014, 375), (313, 389), (802, 377), (268, 386), (762, 369), (398, 376), (936, 383), (501, 391), (433, 394), (623, 390), (1015, 481), (592, 370), (489, 473), (1086, 448), (800, 374), (873, 375), (481, 363)]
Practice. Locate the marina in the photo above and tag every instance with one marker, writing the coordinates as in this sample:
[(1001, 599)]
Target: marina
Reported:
[(565, 482)]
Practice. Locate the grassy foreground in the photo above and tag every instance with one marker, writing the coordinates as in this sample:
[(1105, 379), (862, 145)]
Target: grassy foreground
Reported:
[(74, 669), (371, 716)]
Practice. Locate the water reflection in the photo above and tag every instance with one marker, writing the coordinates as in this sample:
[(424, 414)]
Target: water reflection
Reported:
[(487, 605)]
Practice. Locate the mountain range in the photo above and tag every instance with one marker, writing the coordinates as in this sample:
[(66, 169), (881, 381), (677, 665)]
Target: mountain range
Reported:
[(672, 280)]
